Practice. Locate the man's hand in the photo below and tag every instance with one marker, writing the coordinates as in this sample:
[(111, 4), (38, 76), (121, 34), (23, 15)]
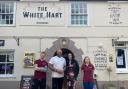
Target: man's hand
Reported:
[(60, 71)]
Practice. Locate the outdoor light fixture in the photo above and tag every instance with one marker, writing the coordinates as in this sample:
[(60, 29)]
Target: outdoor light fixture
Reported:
[(64, 42), (110, 58), (100, 45)]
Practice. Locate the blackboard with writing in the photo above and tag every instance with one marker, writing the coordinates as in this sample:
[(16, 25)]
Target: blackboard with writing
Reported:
[(26, 82)]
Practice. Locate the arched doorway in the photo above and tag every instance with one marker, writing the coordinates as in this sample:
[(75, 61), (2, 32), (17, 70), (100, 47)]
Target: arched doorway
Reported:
[(66, 48)]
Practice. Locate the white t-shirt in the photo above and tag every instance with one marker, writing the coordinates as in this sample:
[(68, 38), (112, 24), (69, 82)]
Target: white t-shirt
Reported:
[(58, 63)]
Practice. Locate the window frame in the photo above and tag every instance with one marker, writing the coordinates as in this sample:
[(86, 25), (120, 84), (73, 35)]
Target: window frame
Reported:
[(14, 14), (8, 75), (79, 14)]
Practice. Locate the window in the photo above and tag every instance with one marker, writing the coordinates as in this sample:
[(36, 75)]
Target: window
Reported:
[(7, 13), (79, 13), (6, 63), (121, 56)]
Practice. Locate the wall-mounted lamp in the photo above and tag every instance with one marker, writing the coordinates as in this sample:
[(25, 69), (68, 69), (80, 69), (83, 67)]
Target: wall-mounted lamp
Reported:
[(110, 58), (114, 40), (100, 45), (64, 42), (17, 40)]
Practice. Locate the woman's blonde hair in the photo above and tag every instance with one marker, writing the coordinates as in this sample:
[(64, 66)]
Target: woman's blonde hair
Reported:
[(85, 59)]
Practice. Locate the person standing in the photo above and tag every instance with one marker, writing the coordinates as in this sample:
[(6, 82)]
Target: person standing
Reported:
[(57, 65), (41, 67), (88, 71), (72, 71)]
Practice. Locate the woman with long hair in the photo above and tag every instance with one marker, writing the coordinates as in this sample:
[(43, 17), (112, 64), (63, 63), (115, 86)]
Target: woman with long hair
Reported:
[(72, 71), (88, 71)]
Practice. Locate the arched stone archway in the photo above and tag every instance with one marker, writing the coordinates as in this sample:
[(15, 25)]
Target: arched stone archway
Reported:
[(69, 44), (63, 43)]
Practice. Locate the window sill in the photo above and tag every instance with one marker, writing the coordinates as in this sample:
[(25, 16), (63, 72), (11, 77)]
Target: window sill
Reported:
[(7, 76), (79, 26), (122, 71)]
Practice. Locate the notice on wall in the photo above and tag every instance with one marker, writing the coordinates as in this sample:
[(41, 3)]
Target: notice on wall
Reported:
[(29, 58), (111, 14), (100, 59), (46, 14)]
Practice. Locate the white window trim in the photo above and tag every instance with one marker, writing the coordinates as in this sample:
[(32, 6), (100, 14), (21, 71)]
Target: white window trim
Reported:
[(123, 70), (69, 19), (14, 19), (7, 76)]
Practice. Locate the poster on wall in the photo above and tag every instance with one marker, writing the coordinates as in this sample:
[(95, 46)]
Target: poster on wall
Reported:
[(113, 14), (100, 59), (29, 58)]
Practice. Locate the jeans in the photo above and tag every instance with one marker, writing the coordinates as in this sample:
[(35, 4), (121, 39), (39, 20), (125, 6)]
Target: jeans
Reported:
[(57, 83), (88, 85), (39, 84)]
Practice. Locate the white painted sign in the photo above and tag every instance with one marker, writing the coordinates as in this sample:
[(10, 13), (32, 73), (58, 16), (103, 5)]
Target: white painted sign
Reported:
[(112, 14), (100, 59), (51, 14)]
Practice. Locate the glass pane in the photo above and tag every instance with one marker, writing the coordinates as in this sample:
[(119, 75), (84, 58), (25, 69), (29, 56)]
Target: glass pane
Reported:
[(11, 9), (7, 16), (0, 16), (84, 10), (0, 5), (0, 10), (9, 68), (2, 68), (7, 9), (72, 11), (11, 16), (77, 11), (76, 5), (2, 58), (81, 10), (11, 21), (72, 22), (85, 21), (81, 21), (3, 7), (3, 16), (7, 21), (72, 17), (76, 17), (77, 21), (3, 21), (10, 58), (84, 17)]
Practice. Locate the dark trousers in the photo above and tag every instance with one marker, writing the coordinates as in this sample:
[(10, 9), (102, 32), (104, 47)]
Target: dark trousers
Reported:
[(39, 84), (57, 83)]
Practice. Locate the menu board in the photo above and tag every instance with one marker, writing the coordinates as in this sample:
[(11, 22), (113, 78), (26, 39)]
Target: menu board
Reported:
[(26, 82)]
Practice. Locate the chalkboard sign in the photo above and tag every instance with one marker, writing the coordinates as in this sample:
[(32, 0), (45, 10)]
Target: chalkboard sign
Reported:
[(26, 82)]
